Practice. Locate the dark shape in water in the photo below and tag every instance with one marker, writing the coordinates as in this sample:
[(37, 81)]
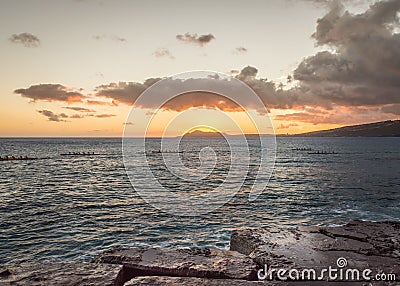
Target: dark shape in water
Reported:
[(13, 158), (302, 149), (323, 153), (78, 154)]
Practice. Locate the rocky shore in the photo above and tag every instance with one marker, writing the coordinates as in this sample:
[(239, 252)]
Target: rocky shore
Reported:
[(253, 254)]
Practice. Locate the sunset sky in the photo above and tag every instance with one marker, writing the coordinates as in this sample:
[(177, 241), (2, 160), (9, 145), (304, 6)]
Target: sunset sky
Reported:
[(74, 68)]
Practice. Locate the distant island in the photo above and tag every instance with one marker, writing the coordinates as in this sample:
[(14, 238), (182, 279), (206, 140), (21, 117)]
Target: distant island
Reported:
[(390, 128), (202, 134)]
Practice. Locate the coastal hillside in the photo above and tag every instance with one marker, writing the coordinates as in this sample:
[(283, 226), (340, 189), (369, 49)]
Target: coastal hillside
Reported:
[(390, 128)]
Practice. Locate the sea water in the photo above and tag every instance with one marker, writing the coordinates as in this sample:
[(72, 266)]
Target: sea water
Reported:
[(64, 208)]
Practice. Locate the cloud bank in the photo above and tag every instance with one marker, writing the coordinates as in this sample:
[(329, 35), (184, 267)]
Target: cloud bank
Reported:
[(364, 68), (356, 76)]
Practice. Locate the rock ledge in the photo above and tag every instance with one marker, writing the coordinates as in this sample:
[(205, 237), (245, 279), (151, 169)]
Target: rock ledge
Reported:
[(362, 244)]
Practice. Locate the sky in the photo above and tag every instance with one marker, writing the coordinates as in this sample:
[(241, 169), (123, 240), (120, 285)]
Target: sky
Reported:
[(76, 67)]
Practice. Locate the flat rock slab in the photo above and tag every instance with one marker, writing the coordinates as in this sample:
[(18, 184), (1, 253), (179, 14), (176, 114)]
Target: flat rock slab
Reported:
[(187, 281), (63, 274), (201, 263), (372, 245), (190, 281)]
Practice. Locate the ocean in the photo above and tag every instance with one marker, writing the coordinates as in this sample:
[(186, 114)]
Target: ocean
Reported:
[(64, 208)]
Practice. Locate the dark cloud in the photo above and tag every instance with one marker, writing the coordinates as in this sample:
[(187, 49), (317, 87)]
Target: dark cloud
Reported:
[(364, 68), (163, 52), (50, 92), (26, 39), (195, 39), (80, 109), (124, 92), (247, 73), (51, 116)]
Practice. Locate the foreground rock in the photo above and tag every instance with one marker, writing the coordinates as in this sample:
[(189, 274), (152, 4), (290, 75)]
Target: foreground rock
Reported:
[(358, 244), (201, 263), (190, 281), (187, 281), (51, 274)]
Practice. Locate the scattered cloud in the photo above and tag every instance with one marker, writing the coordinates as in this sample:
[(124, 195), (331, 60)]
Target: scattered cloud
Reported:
[(51, 92), (104, 115), (61, 117), (110, 37), (77, 116), (340, 115), (200, 40), (240, 50), (26, 39), (286, 126), (301, 116), (98, 102), (325, 3), (163, 52), (80, 109), (392, 109), (51, 116)]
